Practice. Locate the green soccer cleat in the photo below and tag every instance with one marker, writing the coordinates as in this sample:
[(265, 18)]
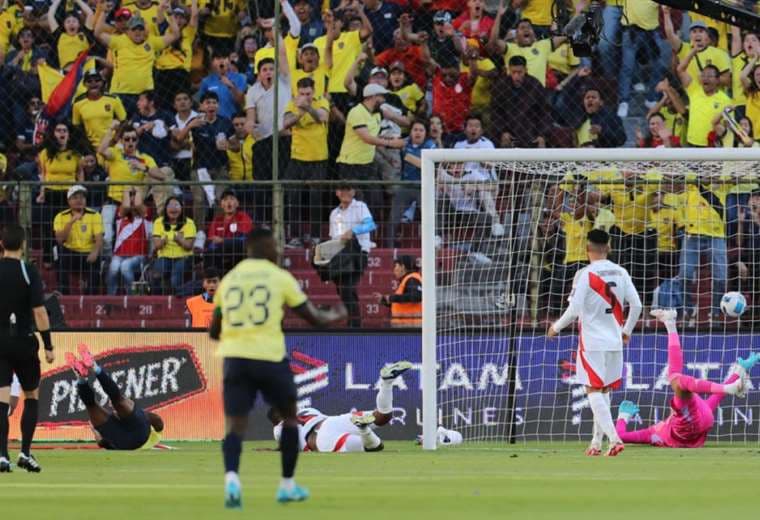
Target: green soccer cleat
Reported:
[(394, 370), (362, 420), (297, 494), (232, 496), (751, 361)]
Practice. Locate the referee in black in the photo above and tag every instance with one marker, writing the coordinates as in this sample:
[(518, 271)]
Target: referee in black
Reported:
[(21, 303)]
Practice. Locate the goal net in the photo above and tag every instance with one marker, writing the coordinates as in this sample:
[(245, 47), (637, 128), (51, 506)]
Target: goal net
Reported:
[(504, 232)]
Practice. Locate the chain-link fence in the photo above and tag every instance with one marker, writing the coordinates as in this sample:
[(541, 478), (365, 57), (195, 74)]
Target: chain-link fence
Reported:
[(160, 108)]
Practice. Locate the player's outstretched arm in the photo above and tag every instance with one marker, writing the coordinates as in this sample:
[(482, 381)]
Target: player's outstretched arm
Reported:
[(320, 317)]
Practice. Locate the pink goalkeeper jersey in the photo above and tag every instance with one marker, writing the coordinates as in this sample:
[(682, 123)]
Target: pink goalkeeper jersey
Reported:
[(687, 426)]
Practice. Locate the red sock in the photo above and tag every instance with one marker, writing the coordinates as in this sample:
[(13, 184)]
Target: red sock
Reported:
[(675, 355)]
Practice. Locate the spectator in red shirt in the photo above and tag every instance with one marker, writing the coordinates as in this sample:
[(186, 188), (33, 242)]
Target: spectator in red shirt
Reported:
[(474, 23), (410, 55), (659, 135), (131, 245), (451, 97), (227, 232)]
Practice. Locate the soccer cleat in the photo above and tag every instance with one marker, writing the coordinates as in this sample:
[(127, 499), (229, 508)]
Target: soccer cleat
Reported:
[(396, 369), (750, 362), (5, 465), (86, 356), (593, 451), (615, 449), (76, 365), (232, 498), (627, 409), (297, 494), (28, 463), (664, 314), (362, 420)]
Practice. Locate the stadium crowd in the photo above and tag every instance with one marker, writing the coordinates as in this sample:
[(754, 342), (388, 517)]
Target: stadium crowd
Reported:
[(185, 90)]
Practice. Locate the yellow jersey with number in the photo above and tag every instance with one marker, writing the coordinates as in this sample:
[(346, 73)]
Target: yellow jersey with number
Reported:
[(250, 299)]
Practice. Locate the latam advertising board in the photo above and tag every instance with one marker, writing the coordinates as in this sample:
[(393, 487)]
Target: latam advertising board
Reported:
[(177, 376)]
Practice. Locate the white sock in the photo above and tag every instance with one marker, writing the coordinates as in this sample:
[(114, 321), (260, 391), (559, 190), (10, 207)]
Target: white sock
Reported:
[(231, 476), (370, 440), (670, 326), (598, 435), (384, 399), (603, 416), (287, 483)]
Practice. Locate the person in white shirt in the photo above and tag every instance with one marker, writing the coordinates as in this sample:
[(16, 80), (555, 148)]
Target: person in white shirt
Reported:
[(480, 172), (352, 223), (599, 292), (183, 156)]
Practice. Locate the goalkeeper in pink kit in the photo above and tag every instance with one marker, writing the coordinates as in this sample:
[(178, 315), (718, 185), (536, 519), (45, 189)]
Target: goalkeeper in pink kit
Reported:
[(691, 416)]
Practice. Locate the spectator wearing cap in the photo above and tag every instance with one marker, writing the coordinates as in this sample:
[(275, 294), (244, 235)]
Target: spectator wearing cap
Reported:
[(384, 17), (95, 111), (228, 85), (79, 233), (173, 236), (444, 47), (600, 127), (407, 198), (175, 61), (412, 56), (536, 52), (406, 301), (130, 249), (212, 135), (641, 36), (520, 113), (699, 39), (706, 99), (220, 22), (227, 233), (135, 54), (311, 27), (410, 94), (70, 38), (312, 67), (357, 153), (201, 306), (351, 222), (57, 162), (153, 13), (306, 117), (474, 22)]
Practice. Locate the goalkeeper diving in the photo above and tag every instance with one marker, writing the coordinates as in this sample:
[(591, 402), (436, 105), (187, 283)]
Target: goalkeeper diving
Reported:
[(691, 416), (349, 432)]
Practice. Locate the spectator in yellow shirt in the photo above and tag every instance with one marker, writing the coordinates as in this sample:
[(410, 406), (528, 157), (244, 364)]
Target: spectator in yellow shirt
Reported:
[(134, 55), (173, 236), (174, 64), (57, 162), (79, 233), (750, 78)]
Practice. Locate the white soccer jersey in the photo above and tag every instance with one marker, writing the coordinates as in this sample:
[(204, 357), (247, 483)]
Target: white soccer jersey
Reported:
[(599, 292), (307, 418), (474, 167)]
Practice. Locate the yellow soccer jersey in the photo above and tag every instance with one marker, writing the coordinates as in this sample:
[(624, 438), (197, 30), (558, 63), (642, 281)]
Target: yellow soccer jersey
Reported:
[(133, 63), (97, 116), (222, 22), (81, 238), (251, 299)]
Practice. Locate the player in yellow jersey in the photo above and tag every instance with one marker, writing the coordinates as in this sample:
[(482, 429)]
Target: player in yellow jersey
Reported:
[(248, 322), (128, 427)]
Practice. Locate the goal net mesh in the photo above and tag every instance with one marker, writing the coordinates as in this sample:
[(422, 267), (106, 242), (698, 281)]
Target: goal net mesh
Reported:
[(510, 236)]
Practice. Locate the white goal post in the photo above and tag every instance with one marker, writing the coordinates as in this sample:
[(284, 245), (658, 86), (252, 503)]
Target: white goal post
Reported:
[(543, 164)]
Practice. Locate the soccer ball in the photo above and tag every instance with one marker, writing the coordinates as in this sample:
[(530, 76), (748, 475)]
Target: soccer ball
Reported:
[(733, 304)]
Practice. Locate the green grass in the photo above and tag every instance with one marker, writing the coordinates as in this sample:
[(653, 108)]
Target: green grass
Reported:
[(527, 481)]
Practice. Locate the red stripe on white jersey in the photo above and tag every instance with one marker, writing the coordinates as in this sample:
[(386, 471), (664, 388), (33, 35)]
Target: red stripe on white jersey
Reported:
[(341, 441), (601, 287)]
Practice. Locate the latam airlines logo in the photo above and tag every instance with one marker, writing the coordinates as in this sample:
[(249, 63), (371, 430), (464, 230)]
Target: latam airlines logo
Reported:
[(311, 375), (152, 376)]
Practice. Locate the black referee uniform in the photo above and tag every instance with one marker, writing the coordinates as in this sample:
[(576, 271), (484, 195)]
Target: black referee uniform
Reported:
[(22, 292)]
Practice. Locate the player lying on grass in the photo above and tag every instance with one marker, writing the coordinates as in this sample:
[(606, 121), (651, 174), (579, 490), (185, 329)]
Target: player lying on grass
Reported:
[(691, 417), (349, 432), (128, 427)]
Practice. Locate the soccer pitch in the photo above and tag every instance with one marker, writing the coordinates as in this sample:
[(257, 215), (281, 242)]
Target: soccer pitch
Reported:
[(526, 481)]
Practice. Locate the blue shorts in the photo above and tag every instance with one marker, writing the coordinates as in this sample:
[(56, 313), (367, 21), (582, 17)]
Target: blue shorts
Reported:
[(126, 433)]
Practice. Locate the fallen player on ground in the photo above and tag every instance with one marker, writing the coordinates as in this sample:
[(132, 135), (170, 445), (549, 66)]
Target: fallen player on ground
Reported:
[(691, 417), (349, 432)]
